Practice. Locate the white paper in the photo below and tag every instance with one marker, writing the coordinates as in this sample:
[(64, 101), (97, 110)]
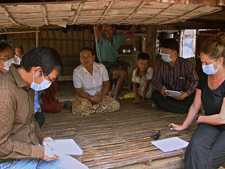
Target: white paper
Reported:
[(62, 147), (68, 162), (172, 93), (170, 144)]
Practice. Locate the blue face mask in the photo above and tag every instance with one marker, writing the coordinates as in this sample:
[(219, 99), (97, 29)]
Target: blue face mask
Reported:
[(166, 57), (42, 86), (209, 69)]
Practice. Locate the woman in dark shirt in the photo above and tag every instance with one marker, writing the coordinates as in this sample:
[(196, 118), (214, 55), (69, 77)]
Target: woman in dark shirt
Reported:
[(207, 146)]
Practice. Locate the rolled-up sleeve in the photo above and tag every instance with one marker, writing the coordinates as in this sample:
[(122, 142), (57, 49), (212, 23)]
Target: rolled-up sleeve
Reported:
[(76, 80), (105, 74), (9, 148)]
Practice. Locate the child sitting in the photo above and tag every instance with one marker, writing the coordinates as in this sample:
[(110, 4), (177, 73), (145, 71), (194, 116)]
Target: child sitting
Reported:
[(141, 78)]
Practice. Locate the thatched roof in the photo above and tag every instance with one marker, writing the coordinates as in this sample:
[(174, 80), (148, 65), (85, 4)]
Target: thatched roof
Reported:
[(64, 13)]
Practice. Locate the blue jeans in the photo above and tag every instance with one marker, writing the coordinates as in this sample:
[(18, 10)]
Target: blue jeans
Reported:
[(65, 162), (29, 164)]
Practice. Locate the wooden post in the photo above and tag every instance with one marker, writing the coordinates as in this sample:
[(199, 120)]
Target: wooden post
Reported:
[(151, 41), (37, 38)]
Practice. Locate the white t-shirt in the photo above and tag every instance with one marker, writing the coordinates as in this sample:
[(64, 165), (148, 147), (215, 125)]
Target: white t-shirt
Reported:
[(138, 79), (90, 83), (141, 81)]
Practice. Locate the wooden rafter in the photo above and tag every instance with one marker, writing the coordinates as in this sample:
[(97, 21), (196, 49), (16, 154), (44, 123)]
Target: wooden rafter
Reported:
[(161, 11), (106, 10), (186, 13), (140, 5), (77, 12), (9, 15), (45, 14)]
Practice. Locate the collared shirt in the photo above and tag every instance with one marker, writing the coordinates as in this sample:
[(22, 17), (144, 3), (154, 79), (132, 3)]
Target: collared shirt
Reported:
[(107, 51), (180, 77), (19, 132), (90, 83)]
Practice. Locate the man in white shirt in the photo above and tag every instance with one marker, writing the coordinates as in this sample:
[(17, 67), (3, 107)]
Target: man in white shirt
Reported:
[(91, 82)]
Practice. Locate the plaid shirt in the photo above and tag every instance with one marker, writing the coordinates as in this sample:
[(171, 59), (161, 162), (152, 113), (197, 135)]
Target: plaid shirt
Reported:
[(19, 132), (180, 77)]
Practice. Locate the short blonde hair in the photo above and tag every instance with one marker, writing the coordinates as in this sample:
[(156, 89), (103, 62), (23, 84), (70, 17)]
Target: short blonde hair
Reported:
[(214, 48)]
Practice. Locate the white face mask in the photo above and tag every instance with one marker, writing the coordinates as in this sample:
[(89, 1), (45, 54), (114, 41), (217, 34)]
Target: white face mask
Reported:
[(42, 86), (7, 64), (209, 69), (166, 57)]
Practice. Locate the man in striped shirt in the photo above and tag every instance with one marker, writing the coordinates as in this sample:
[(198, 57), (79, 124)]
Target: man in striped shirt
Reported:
[(173, 73)]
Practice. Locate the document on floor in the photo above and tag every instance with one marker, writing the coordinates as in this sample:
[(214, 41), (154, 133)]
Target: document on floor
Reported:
[(63, 147), (170, 144), (172, 93), (68, 162)]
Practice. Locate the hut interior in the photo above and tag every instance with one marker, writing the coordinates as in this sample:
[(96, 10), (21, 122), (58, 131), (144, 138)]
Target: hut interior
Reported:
[(121, 139)]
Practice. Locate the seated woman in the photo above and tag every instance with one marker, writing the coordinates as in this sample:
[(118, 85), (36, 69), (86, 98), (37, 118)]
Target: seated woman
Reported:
[(141, 78), (91, 82), (207, 146)]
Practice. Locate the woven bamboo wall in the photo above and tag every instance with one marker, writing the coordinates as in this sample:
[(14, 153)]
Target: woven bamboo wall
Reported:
[(67, 43)]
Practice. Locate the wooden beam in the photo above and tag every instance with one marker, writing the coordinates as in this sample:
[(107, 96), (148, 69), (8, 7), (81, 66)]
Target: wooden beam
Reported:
[(106, 10), (39, 2), (9, 15), (45, 14), (139, 6), (161, 11), (16, 32), (177, 18), (77, 12)]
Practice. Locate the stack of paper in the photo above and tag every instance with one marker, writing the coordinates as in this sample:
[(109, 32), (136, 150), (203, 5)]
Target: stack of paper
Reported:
[(170, 144), (64, 148), (172, 93)]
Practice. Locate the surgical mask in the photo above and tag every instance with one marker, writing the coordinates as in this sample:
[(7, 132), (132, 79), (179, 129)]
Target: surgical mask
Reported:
[(42, 86), (7, 64), (209, 69), (166, 57)]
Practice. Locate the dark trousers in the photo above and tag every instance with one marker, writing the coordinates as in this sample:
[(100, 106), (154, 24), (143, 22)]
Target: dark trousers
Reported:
[(172, 105), (40, 118), (206, 149)]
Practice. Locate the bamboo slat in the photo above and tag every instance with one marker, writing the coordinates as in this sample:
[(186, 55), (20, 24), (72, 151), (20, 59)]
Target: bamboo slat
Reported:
[(100, 11), (118, 139)]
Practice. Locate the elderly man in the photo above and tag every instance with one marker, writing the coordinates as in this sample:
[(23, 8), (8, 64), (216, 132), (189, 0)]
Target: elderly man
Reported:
[(91, 83), (176, 74)]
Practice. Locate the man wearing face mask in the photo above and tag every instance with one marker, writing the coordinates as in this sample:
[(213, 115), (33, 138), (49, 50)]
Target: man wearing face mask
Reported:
[(6, 53), (20, 142), (173, 73)]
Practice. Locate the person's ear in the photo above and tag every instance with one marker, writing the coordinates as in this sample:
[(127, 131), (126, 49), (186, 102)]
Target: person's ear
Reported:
[(36, 70)]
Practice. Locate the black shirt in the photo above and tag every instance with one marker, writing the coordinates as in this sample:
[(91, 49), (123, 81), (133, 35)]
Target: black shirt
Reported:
[(212, 100)]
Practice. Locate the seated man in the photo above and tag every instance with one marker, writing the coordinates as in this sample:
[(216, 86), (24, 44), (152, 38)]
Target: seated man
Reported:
[(91, 83), (108, 42), (20, 142), (173, 73)]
